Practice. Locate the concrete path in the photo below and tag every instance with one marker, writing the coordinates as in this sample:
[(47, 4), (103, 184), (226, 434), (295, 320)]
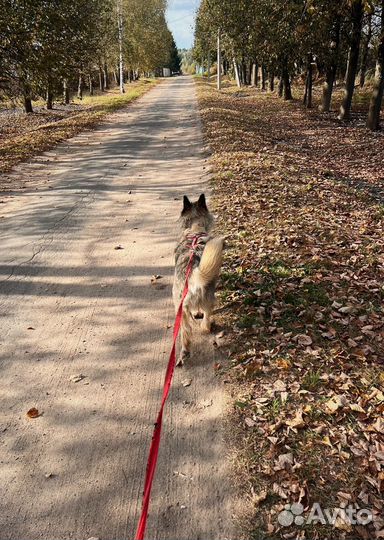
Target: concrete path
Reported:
[(71, 304)]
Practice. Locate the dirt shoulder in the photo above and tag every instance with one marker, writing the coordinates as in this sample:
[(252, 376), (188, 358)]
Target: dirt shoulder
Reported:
[(300, 198), (25, 135)]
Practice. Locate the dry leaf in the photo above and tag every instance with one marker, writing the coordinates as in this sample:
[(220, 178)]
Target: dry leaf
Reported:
[(303, 339), (335, 403), (33, 413), (297, 421), (77, 378)]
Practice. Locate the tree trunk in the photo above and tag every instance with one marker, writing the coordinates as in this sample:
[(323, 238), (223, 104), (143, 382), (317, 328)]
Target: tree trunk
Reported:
[(65, 92), (209, 66), (263, 78), (364, 56), (286, 82), (225, 66), (249, 71), (120, 35), (320, 67), (280, 87), (331, 69), (357, 19), (305, 91), (253, 74), (271, 81), (90, 84), (373, 121), (49, 97), (236, 69), (244, 72), (80, 87), (27, 98), (101, 81), (105, 77), (218, 61), (308, 82)]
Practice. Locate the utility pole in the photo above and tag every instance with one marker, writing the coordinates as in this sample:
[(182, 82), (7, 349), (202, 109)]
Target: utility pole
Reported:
[(218, 61), (120, 28)]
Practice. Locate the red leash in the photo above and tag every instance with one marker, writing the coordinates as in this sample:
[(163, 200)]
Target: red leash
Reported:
[(155, 443)]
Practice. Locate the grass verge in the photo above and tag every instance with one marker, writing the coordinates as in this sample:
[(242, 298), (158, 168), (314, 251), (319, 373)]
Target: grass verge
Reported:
[(300, 199), (32, 134)]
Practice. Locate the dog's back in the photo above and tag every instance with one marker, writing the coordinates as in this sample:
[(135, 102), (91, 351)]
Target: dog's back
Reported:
[(198, 304)]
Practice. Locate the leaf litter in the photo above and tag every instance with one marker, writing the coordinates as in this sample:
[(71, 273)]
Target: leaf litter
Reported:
[(299, 198)]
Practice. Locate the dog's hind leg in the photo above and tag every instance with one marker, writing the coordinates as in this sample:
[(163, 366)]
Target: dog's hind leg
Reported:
[(186, 336), (206, 322), (207, 307)]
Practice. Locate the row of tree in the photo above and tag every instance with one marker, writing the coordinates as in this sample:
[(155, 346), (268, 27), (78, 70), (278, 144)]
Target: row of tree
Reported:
[(340, 39), (51, 47)]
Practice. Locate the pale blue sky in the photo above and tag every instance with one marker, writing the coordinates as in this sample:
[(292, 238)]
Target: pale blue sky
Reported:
[(180, 17)]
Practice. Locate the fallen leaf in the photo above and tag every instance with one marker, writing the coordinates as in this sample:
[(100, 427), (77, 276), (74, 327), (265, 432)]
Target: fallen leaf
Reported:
[(186, 382), (283, 363), (335, 403), (297, 421), (279, 491), (326, 440), (285, 461), (303, 339), (33, 413), (343, 523), (77, 378), (357, 408)]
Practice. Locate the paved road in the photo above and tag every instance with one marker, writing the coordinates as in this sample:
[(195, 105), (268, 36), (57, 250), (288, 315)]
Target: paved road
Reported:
[(71, 304)]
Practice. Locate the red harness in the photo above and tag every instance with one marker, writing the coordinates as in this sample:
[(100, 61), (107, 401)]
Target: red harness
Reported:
[(155, 443)]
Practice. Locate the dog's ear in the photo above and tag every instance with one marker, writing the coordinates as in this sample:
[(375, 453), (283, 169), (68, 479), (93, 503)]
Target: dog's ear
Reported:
[(187, 205), (201, 202)]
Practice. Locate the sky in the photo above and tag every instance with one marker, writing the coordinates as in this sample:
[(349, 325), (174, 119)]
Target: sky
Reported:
[(180, 17)]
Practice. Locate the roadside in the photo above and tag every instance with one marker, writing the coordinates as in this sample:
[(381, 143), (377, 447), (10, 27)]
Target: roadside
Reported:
[(301, 201), (25, 135)]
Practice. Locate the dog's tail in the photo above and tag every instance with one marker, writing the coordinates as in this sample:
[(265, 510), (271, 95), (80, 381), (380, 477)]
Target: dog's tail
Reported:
[(209, 267)]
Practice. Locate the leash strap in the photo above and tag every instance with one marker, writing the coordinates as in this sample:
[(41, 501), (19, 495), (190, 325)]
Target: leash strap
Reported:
[(155, 443)]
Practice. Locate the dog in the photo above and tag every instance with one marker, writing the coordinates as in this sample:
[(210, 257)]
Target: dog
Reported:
[(196, 222)]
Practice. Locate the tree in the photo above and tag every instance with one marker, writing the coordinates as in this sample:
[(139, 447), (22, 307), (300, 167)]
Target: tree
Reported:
[(289, 39), (46, 48), (365, 51), (373, 121), (357, 12), (174, 62)]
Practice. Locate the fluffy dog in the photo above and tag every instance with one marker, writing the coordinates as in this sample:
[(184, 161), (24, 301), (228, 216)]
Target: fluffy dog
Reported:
[(196, 222)]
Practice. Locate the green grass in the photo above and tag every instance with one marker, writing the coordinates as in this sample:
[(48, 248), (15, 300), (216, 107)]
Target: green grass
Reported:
[(309, 294), (311, 380)]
